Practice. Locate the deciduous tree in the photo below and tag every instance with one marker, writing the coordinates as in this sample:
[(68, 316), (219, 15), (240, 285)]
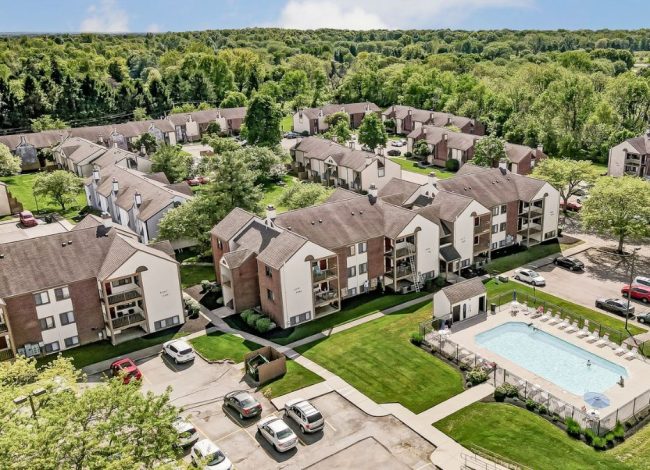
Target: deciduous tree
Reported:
[(372, 131), (263, 121), (565, 175), (488, 151), (61, 186), (173, 161), (9, 164)]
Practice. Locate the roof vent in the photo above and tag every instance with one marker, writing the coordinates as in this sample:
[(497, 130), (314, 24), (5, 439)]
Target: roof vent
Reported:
[(69, 242), (313, 223), (352, 213), (63, 243), (320, 221), (2, 256), (360, 212)]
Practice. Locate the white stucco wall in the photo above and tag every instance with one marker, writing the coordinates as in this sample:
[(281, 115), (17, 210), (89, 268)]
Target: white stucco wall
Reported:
[(4, 201), (551, 208), (300, 123), (463, 239), (498, 220), (441, 306), (616, 162), (54, 309), (370, 174), (428, 244)]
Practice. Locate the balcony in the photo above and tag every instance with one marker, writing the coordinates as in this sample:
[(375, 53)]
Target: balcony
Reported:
[(127, 320), (3, 328), (124, 297), (403, 250), (483, 226), (324, 298), (403, 271), (319, 275), (531, 227), (6, 354)]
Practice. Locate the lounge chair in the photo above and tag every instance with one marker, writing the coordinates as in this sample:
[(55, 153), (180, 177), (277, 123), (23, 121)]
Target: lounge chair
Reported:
[(556, 319), (633, 354), (573, 328), (546, 317), (602, 342), (584, 332), (621, 350), (592, 338), (563, 324)]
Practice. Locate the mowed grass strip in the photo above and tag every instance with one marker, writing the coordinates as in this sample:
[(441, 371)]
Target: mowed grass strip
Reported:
[(378, 359), (527, 439), (218, 346), (297, 377)]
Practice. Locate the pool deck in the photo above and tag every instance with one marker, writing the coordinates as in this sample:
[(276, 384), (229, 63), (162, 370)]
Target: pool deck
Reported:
[(638, 370)]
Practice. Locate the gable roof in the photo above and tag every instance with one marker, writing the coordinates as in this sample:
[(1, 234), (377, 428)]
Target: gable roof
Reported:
[(231, 223), (39, 140), (446, 206), (397, 190), (235, 259), (79, 150), (340, 194), (641, 144), (435, 134), (206, 116), (350, 108), (464, 290), (281, 249), (321, 149)]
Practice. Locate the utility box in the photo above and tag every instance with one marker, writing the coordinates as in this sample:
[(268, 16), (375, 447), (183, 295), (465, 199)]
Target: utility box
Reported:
[(265, 364)]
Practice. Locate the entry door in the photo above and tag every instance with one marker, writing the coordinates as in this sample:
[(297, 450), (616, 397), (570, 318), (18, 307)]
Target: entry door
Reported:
[(481, 304), (456, 313)]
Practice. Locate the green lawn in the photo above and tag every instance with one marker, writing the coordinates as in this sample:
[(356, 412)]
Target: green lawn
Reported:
[(20, 187), (352, 309), (218, 346), (635, 451), (192, 274), (273, 192), (287, 123), (409, 165), (506, 263), (83, 356), (378, 359), (496, 289), (525, 438), (297, 377)]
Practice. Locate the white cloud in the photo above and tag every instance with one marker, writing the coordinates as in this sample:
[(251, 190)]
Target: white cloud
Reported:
[(105, 17), (153, 28), (371, 14)]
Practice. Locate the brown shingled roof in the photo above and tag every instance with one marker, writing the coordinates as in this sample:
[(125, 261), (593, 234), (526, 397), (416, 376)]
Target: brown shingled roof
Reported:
[(464, 290), (281, 249), (232, 223), (318, 148)]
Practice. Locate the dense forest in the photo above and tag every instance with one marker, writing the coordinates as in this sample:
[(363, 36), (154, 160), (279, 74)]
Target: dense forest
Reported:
[(575, 92)]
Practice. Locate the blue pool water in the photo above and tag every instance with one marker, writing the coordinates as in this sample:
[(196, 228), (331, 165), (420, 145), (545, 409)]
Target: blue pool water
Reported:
[(552, 358)]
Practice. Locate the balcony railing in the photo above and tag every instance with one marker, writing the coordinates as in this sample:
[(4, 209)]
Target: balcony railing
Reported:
[(324, 297), (123, 297), (482, 227), (127, 320), (3, 328), (6, 354), (403, 271), (404, 249), (322, 274)]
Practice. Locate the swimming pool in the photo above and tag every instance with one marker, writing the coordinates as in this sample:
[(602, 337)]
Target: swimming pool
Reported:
[(552, 358)]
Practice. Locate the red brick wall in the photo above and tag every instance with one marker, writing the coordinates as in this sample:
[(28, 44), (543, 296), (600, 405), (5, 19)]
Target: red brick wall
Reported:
[(342, 263), (375, 257), (217, 254), (524, 167), (245, 286), (511, 218), (273, 308), (87, 309), (22, 319)]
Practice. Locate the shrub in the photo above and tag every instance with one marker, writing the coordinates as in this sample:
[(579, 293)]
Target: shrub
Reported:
[(408, 154), (599, 443), (205, 286), (531, 405), (272, 326), (589, 436), (252, 319), (477, 376), (439, 282), (619, 431), (499, 394), (417, 339), (452, 165), (262, 324), (541, 409), (508, 390), (610, 438), (305, 133), (572, 428)]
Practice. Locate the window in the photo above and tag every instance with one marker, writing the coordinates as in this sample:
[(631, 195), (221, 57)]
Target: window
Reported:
[(362, 247), (167, 322), (121, 282), (504, 208), (71, 341), (475, 240), (41, 298), (352, 292), (502, 228), (494, 245), (219, 244), (270, 295), (51, 347), (61, 293), (363, 268), (352, 271), (381, 171), (464, 263), (550, 234), (66, 318), (47, 323), (495, 228), (502, 243), (495, 210), (268, 271), (299, 318), (351, 251), (477, 221)]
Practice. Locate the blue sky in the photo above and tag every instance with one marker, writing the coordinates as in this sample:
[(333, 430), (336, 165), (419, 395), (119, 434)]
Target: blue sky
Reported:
[(184, 15)]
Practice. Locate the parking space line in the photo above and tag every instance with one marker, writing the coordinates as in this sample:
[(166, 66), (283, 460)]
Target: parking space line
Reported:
[(328, 424), (198, 429), (228, 435), (424, 466)]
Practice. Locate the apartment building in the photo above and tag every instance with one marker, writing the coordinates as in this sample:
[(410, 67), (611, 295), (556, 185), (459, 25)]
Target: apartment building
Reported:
[(134, 199), (90, 284), (80, 156), (312, 120), (323, 161), (631, 157), (189, 127), (524, 210), (300, 265), (408, 119)]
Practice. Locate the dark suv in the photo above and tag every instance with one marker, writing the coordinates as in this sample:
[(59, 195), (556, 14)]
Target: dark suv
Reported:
[(571, 264)]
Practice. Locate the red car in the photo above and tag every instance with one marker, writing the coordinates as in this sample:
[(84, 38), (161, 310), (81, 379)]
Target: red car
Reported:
[(197, 180), (127, 369), (571, 206), (28, 219), (639, 292)]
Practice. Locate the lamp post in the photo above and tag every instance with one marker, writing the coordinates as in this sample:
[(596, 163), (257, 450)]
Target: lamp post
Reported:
[(30, 397), (629, 292)]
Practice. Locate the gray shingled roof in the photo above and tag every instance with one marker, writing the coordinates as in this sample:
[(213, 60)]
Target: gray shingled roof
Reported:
[(232, 223), (464, 290), (318, 148), (424, 116), (449, 253), (350, 108), (641, 144), (455, 140), (340, 194), (281, 249), (79, 150), (399, 189), (206, 116), (446, 206), (235, 259)]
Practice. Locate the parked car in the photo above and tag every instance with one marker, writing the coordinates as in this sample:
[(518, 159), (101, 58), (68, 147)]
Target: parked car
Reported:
[(365, 148), (291, 135), (529, 276), (638, 292), (393, 153), (197, 180), (277, 433), (642, 280), (644, 318), (187, 434), (28, 219), (305, 415), (208, 452), (127, 369), (574, 206), (243, 403), (398, 143), (179, 351), (571, 264), (617, 306)]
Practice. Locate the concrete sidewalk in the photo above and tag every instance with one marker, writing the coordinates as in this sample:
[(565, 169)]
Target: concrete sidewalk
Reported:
[(454, 404)]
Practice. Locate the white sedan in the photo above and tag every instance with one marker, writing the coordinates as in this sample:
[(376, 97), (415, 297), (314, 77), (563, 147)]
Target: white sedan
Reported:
[(529, 276), (179, 351), (398, 143), (207, 453), (277, 433)]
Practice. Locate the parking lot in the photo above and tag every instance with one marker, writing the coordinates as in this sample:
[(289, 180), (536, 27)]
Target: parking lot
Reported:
[(604, 276), (350, 439)]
